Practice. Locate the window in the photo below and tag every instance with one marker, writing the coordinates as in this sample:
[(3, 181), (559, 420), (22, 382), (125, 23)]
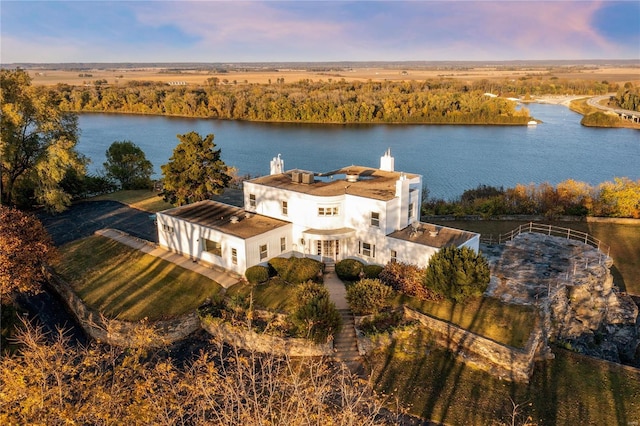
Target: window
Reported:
[(168, 229), (264, 253), (328, 211), (285, 208), (319, 243), (283, 244), (252, 201), (213, 247), (234, 256), (410, 210), (367, 249), (394, 256), (375, 219)]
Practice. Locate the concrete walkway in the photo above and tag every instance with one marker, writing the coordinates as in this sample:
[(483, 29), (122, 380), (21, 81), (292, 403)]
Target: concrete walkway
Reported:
[(223, 277)]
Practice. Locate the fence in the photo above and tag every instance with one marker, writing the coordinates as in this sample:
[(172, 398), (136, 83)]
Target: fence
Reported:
[(551, 230)]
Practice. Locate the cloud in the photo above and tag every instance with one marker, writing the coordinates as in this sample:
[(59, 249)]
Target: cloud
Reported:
[(217, 31)]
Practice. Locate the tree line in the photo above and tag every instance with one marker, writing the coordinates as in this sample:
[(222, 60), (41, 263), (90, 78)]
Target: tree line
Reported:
[(627, 97), (438, 102), (620, 198)]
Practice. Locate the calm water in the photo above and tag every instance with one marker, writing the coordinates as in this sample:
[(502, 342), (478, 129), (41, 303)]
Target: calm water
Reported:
[(450, 158)]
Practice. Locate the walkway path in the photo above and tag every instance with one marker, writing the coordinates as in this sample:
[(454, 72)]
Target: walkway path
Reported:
[(345, 344), (222, 277)]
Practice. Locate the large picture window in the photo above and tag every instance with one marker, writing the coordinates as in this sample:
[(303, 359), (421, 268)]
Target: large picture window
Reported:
[(213, 247)]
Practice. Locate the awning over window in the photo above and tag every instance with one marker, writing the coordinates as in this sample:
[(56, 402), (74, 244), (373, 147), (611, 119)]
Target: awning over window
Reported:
[(329, 234)]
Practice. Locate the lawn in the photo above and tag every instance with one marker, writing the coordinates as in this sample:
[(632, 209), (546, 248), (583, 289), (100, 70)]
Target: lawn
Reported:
[(624, 241), (507, 324), (124, 283), (142, 199), (275, 295), (570, 390)]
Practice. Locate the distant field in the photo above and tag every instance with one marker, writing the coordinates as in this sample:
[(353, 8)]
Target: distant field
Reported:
[(116, 76)]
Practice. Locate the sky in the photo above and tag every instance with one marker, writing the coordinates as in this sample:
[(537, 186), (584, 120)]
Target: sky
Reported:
[(317, 31)]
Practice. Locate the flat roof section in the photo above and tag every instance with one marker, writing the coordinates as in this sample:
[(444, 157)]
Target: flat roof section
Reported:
[(372, 183), (432, 235), (225, 218)]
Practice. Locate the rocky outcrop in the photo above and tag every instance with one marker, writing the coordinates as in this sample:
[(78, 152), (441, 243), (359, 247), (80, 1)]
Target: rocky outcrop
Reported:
[(571, 284)]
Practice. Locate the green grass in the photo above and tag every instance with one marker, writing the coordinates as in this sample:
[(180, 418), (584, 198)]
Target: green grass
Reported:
[(507, 324), (570, 390), (124, 283), (275, 295), (624, 241), (142, 199)]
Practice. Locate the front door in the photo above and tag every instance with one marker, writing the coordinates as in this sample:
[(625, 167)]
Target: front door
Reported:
[(329, 250)]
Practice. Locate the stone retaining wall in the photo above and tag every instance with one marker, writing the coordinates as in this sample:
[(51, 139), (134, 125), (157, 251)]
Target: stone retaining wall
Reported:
[(124, 333), (507, 362), (250, 340)]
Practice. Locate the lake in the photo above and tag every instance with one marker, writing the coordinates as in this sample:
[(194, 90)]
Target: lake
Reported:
[(450, 158)]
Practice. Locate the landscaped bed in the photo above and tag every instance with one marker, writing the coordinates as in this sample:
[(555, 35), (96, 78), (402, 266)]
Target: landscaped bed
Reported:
[(124, 283)]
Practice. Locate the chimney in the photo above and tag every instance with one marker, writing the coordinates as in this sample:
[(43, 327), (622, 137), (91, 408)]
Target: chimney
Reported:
[(386, 161), (277, 165)]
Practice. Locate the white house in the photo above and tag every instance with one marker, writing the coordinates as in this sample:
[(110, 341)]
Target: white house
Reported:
[(371, 214)]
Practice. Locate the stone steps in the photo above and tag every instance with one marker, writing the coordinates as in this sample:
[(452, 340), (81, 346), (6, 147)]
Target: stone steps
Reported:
[(345, 343)]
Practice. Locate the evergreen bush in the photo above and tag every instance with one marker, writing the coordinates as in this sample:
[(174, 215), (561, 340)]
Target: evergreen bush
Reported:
[(349, 269), (372, 271), (457, 273), (369, 296), (316, 317), (295, 270), (257, 274)]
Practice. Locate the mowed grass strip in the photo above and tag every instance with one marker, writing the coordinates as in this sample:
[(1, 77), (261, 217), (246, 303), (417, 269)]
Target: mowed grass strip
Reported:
[(124, 283), (488, 317), (275, 295), (569, 390)]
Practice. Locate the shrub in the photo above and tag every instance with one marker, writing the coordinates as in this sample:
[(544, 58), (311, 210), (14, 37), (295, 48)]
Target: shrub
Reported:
[(316, 317), (296, 270), (368, 296), (407, 279), (349, 269), (257, 274), (372, 271), (457, 273)]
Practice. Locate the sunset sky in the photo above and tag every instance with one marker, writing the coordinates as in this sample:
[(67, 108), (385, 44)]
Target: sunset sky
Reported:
[(274, 31)]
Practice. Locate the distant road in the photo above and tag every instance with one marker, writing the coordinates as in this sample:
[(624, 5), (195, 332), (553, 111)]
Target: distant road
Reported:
[(595, 102)]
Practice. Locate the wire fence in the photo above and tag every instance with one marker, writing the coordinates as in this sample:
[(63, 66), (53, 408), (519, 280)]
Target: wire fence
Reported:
[(551, 230)]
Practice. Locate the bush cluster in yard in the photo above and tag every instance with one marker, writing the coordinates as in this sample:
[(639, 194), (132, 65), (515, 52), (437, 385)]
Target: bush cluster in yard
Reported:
[(369, 296), (257, 274), (349, 269), (316, 317), (408, 279), (296, 270)]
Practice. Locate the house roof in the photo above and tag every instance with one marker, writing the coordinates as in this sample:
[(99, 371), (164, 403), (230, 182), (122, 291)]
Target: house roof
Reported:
[(225, 218), (432, 235), (372, 183)]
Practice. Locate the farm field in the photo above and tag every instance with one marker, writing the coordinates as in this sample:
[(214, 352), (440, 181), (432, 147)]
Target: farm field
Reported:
[(43, 76)]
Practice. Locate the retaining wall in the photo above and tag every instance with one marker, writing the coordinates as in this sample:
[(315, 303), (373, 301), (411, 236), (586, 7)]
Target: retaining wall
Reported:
[(250, 340), (124, 333), (505, 361)]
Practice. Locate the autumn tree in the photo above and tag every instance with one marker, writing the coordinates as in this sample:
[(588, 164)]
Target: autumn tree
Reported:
[(25, 248), (195, 171), (127, 164), (37, 144)]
